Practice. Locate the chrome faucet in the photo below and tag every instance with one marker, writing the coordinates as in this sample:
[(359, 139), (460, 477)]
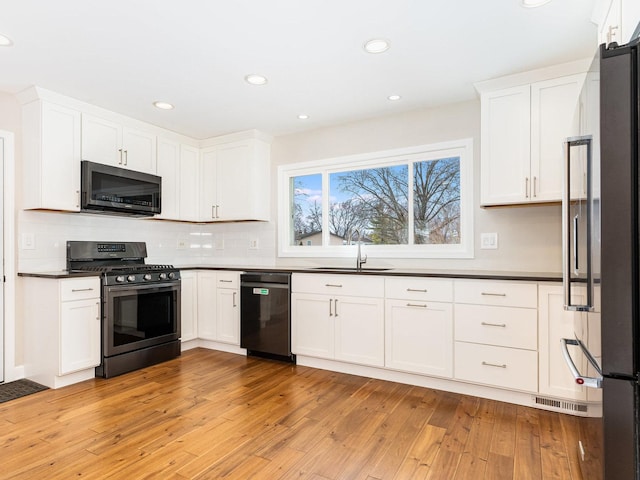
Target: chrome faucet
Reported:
[(359, 260)]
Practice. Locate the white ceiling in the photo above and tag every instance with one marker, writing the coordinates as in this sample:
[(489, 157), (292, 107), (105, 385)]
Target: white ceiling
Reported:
[(124, 54)]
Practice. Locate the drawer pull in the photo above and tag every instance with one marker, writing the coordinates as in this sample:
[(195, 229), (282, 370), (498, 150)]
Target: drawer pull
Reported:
[(330, 309), (225, 281), (423, 290), (416, 305), (74, 290), (490, 294), (487, 364), (333, 285), (487, 324)]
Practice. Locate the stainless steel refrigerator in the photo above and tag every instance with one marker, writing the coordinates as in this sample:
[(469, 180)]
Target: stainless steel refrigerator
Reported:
[(601, 236)]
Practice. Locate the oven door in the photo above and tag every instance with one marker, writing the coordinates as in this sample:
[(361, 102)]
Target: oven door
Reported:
[(139, 316)]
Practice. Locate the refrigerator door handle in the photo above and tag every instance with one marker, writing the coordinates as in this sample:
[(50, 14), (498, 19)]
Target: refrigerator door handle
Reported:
[(592, 382)]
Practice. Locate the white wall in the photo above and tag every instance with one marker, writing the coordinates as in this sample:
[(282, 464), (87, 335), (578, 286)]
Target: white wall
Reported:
[(528, 237)]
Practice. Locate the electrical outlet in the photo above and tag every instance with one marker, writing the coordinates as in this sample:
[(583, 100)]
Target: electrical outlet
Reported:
[(489, 241), (253, 244), (28, 241), (182, 244)]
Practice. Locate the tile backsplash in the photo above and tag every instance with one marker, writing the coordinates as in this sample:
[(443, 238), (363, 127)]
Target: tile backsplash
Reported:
[(42, 237)]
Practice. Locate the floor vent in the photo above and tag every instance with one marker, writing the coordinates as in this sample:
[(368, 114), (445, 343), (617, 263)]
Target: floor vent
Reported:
[(560, 405)]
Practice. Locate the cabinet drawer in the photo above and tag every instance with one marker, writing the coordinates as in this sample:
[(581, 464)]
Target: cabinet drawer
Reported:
[(501, 326), (348, 285), (498, 366), (508, 294), (79, 288), (415, 288), (227, 279)]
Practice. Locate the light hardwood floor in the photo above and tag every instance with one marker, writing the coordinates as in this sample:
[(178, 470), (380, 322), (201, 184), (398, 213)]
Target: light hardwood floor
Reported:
[(212, 415)]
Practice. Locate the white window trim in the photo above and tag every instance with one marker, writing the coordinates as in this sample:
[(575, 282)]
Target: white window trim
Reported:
[(462, 148)]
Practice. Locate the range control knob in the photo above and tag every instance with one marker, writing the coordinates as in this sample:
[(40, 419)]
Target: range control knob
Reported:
[(147, 276), (163, 276), (131, 278), (119, 279), (172, 275)]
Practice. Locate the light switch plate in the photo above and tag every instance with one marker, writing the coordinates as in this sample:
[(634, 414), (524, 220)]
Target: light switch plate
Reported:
[(489, 241), (28, 241), (253, 244)]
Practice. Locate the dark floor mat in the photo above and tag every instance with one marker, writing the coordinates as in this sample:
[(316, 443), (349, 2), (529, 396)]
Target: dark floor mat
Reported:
[(19, 388)]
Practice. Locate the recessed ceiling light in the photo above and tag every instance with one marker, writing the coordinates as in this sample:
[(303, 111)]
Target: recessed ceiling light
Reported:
[(303, 116), (255, 79), (376, 45), (534, 3), (5, 41), (393, 98), (163, 105)]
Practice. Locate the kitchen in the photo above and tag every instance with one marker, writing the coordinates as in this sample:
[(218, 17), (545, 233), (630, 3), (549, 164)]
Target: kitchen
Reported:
[(528, 237)]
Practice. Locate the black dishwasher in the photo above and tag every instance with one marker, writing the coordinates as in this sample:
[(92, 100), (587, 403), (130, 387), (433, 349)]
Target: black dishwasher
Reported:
[(265, 314)]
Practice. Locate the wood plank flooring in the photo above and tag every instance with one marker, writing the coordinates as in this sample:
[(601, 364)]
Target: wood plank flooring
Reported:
[(210, 414)]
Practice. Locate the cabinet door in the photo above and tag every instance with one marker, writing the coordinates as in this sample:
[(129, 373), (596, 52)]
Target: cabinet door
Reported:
[(505, 146), (101, 141), (189, 183), (139, 150), (208, 192), (168, 167), (419, 337), (554, 117), (79, 335), (359, 330), (556, 323), (227, 316), (207, 325), (59, 180), (231, 194), (312, 326), (188, 305)]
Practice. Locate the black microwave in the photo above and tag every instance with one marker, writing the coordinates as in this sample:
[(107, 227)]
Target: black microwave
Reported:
[(108, 189)]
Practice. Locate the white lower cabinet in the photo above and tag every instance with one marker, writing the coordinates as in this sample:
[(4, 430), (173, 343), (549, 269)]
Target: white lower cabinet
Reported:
[(419, 337), (495, 333), (62, 325), (556, 323), (339, 323), (218, 307), (188, 305)]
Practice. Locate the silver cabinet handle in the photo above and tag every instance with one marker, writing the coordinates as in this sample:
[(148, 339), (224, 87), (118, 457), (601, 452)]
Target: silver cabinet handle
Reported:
[(416, 305), (487, 364), (526, 187), (423, 290), (78, 198), (213, 211), (535, 186), (82, 290), (335, 307), (98, 305), (234, 299), (120, 161), (337, 285), (126, 157), (492, 294), (593, 382), (217, 211), (330, 304), (225, 281), (487, 324)]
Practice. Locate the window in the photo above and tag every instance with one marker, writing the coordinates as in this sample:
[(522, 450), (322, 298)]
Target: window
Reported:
[(414, 202)]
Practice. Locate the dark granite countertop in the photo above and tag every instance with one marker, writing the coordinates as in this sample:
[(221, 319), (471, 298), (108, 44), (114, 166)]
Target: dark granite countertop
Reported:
[(392, 272)]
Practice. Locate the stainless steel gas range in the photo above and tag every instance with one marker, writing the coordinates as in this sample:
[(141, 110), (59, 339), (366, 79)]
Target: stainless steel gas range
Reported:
[(140, 304)]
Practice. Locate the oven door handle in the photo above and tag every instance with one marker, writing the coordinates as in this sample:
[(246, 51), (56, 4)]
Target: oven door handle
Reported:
[(125, 289)]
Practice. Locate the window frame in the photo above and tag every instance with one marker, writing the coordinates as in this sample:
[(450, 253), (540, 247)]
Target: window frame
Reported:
[(462, 148)]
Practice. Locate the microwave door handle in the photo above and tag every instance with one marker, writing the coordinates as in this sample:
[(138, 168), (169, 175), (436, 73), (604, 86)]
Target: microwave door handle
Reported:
[(592, 382)]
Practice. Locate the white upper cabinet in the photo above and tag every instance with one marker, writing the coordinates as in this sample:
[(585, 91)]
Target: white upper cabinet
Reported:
[(51, 154), (178, 165), (111, 143), (618, 20), (235, 180), (523, 128)]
